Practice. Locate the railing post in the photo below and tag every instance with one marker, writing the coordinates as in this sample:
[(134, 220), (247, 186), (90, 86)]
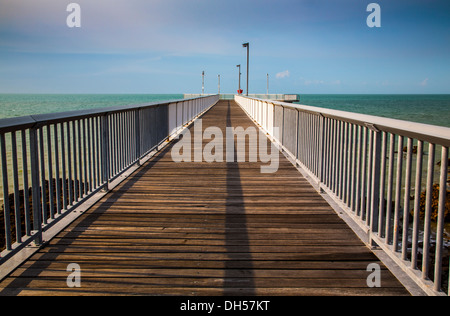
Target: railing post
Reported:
[(35, 185), (137, 120), (376, 175), (440, 220), (6, 206), (105, 152), (321, 151)]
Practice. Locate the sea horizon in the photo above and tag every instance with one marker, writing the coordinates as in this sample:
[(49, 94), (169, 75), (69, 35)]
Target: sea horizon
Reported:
[(433, 109)]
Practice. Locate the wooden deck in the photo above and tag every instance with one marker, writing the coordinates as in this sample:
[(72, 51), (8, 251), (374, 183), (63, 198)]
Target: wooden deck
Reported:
[(206, 229)]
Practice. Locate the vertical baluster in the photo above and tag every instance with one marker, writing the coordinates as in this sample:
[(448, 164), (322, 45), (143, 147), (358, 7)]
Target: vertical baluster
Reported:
[(26, 195), (34, 166), (57, 170), (343, 162), (89, 148), (115, 144), (382, 219), (358, 173), (390, 185), (297, 130), (363, 174), (427, 217), (50, 174), (302, 137), (369, 177), (137, 125), (398, 190), (440, 219), (119, 142), (333, 157), (321, 157), (129, 139), (6, 205), (43, 177), (69, 164), (318, 143), (80, 161), (86, 159), (63, 168), (17, 215), (338, 169), (75, 159), (132, 137), (329, 152), (98, 142), (105, 129), (406, 202), (418, 186), (354, 168), (326, 148), (310, 141), (375, 185), (349, 155)]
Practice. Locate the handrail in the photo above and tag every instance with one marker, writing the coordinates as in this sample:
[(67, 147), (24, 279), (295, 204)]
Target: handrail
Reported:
[(437, 134), (23, 122), (370, 166), (52, 163)]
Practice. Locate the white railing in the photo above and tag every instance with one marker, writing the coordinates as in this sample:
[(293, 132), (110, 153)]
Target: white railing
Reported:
[(381, 171), (52, 163)]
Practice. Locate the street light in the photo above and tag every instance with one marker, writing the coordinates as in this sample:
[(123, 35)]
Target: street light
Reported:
[(239, 90), (203, 82), (248, 51)]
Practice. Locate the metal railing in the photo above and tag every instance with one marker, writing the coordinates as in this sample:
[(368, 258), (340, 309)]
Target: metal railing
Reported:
[(274, 97), (52, 163), (381, 171)]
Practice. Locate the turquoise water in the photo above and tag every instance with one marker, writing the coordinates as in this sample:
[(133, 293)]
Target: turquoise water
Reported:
[(429, 109)]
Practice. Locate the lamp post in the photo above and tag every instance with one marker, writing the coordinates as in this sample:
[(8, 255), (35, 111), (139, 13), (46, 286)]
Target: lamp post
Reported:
[(267, 84), (219, 84), (203, 82), (248, 51), (239, 90)]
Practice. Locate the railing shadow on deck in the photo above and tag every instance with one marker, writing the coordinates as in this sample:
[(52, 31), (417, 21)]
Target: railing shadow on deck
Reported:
[(235, 207)]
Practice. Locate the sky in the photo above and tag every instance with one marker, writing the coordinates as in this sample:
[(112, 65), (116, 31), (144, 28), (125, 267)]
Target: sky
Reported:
[(162, 46)]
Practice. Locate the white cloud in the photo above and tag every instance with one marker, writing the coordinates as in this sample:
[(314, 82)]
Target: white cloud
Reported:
[(283, 74), (424, 82)]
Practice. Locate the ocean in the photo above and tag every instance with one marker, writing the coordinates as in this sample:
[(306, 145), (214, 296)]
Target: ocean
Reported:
[(14, 105), (429, 109)]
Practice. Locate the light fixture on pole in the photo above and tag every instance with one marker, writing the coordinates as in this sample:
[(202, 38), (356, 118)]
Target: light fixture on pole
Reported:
[(203, 82), (248, 53), (219, 84), (239, 89), (267, 84)]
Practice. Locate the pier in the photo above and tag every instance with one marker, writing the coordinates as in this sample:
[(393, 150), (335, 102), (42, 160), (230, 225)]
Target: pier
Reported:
[(136, 222)]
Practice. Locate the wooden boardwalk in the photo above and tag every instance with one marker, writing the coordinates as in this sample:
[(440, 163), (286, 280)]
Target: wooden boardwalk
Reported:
[(198, 228)]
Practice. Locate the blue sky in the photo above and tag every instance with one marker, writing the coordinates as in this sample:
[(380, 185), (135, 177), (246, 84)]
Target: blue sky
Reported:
[(162, 46)]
